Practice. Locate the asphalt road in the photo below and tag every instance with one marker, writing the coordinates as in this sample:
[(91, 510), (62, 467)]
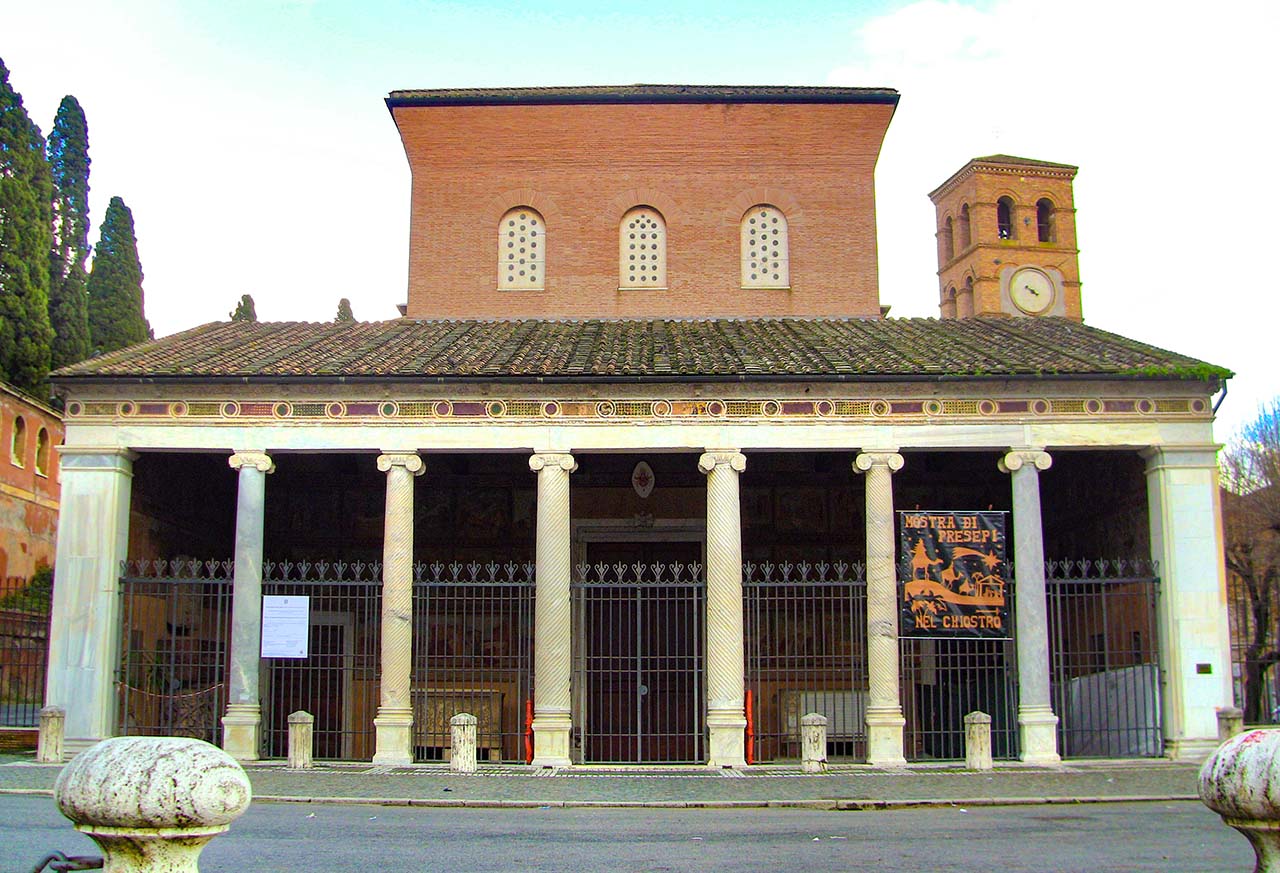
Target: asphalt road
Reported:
[(1173, 837)]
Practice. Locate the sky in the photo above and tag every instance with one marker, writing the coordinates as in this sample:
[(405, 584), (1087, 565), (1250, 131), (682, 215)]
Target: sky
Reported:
[(251, 141)]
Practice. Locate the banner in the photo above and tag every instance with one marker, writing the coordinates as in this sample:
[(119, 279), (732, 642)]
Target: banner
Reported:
[(954, 574)]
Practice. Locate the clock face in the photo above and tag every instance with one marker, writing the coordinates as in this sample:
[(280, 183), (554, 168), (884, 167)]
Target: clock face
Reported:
[(1031, 290)]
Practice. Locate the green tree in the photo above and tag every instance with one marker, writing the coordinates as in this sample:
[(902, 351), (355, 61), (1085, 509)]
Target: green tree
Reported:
[(244, 310), (344, 311), (116, 316), (68, 301), (25, 239)]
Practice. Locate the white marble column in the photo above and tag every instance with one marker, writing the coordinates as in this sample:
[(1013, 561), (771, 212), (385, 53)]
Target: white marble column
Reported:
[(726, 712), (242, 724), (552, 702), (93, 540), (394, 722), (1186, 538), (1037, 725), (884, 705)]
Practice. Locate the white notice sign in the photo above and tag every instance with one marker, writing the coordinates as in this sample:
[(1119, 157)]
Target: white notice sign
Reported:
[(285, 625)]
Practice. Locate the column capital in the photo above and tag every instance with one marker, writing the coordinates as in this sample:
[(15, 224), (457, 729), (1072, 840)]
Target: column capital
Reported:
[(1203, 456), (411, 461), (878, 458), (713, 458), (542, 460), (112, 458), (1014, 460), (260, 461)]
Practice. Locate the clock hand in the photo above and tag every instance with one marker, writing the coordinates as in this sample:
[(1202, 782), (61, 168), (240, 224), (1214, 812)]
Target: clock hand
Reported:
[(1032, 290)]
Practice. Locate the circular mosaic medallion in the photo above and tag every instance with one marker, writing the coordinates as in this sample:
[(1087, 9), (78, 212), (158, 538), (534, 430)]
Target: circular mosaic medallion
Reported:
[(1093, 407), (74, 408), (551, 409), (127, 408), (987, 407), (335, 409), (1146, 407), (1198, 406), (390, 409), (933, 407), (1040, 407), (715, 407), (770, 408), (824, 407), (230, 408), (495, 408), (605, 408), (879, 407), (282, 410), (443, 408), (662, 408), (178, 408)]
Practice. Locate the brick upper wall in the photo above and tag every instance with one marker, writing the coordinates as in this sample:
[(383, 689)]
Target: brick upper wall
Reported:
[(584, 166)]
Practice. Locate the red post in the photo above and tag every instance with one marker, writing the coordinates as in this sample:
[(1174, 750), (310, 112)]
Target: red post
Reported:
[(751, 731), (528, 731)]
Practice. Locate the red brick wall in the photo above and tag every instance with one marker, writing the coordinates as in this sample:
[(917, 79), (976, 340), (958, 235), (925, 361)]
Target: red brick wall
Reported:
[(584, 166), (28, 497)]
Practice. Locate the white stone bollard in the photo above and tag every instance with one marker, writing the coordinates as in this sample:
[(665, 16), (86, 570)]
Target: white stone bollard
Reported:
[(977, 741), (1241, 783), (1230, 722), (462, 730), (301, 737), (53, 723), (813, 743), (152, 803)]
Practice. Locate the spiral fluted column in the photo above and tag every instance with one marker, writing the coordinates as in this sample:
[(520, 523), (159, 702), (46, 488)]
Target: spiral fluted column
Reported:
[(726, 715), (394, 721), (884, 704), (1037, 725), (242, 723), (552, 706)]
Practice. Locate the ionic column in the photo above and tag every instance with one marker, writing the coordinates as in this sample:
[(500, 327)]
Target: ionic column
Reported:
[(884, 704), (84, 635), (394, 722), (242, 724), (726, 713), (1037, 725), (552, 706)]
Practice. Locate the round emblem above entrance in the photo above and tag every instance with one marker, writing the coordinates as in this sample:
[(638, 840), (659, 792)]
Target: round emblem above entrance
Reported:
[(643, 480)]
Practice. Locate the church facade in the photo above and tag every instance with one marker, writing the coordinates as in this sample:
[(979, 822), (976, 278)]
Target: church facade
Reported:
[(632, 478)]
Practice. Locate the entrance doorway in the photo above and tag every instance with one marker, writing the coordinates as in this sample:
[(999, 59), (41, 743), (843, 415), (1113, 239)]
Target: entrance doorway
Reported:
[(640, 620)]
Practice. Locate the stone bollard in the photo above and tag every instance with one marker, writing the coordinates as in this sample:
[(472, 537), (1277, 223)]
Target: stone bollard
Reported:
[(53, 723), (977, 741), (152, 803), (1230, 722), (301, 733), (1238, 783), (813, 743), (462, 729)]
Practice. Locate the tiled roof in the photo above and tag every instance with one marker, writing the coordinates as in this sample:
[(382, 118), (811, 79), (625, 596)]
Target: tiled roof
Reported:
[(641, 94), (650, 349), (1024, 162)]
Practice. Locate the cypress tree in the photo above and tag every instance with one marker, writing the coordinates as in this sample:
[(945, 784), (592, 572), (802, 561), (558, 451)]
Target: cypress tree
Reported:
[(68, 300), (344, 312), (25, 239), (116, 318), (244, 309)]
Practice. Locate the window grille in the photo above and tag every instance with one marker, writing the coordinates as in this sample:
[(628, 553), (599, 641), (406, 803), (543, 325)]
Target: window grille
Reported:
[(765, 260), (522, 249), (642, 249)]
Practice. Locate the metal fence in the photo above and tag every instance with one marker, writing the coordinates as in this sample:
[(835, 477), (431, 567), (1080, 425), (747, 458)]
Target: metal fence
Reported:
[(1105, 678), (945, 679), (639, 662), (1254, 614), (175, 634), (805, 632), (473, 652), (24, 649)]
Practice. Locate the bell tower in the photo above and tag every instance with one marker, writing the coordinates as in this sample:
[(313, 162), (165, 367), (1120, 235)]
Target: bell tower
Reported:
[(1007, 240)]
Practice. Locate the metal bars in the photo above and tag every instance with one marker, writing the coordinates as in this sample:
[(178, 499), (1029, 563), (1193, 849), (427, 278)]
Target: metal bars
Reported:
[(24, 649), (943, 680), (805, 633)]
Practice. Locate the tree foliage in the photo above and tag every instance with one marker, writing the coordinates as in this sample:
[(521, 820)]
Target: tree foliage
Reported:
[(116, 317), (68, 154), (1251, 533), (345, 315), (25, 241), (244, 310)]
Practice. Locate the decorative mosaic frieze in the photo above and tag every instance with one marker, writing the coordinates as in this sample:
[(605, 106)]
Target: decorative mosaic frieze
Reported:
[(490, 411)]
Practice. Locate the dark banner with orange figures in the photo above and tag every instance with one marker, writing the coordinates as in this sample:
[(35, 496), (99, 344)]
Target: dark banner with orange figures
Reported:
[(954, 574)]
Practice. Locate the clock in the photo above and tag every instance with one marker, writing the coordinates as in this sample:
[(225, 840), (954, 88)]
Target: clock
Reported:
[(1031, 290)]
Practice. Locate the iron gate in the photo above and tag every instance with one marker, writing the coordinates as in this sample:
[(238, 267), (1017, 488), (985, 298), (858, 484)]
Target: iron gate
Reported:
[(1105, 678), (639, 662), (805, 632), (24, 647), (473, 652)]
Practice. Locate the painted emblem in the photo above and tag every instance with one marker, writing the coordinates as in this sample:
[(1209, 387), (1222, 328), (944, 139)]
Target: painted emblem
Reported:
[(642, 479)]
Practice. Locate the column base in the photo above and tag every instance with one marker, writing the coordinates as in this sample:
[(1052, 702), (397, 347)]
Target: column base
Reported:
[(242, 731), (393, 732), (551, 733), (1191, 749), (1038, 736), (884, 737), (728, 747)]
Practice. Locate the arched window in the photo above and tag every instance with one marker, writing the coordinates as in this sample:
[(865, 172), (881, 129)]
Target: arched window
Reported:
[(764, 248), (1004, 218), (964, 300), (522, 250), (1045, 220), (42, 452), (948, 241), (18, 448), (949, 302), (642, 249), (964, 227)]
